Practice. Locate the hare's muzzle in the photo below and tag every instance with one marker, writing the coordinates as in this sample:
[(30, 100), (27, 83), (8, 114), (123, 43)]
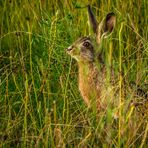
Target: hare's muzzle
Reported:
[(69, 49)]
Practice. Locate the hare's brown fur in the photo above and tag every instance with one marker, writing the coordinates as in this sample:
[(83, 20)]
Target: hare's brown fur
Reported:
[(88, 82), (91, 70)]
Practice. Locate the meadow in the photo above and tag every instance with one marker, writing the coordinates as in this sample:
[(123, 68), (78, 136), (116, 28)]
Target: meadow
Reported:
[(40, 103)]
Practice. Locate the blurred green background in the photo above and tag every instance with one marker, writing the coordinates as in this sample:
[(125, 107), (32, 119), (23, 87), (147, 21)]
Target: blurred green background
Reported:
[(40, 104)]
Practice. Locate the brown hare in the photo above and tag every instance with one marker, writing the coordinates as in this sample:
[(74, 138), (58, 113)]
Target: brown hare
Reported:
[(91, 67)]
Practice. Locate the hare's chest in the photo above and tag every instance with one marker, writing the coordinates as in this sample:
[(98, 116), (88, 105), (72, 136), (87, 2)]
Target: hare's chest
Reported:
[(88, 83)]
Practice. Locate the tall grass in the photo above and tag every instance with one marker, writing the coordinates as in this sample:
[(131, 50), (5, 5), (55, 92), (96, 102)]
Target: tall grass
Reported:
[(40, 104)]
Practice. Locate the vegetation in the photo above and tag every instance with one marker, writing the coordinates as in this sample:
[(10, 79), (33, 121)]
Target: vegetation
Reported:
[(40, 104)]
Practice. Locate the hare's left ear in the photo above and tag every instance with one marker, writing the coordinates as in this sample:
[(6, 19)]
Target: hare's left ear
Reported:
[(92, 20), (106, 27)]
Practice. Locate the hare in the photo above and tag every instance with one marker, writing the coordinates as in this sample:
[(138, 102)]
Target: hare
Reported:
[(90, 64)]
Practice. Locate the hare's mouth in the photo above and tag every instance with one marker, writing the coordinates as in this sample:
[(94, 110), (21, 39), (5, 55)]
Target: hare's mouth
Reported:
[(69, 49)]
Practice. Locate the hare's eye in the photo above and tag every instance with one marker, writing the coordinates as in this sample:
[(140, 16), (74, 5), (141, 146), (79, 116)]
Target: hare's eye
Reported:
[(86, 44)]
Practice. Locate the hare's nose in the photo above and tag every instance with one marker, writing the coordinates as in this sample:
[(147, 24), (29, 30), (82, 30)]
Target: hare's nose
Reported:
[(69, 48)]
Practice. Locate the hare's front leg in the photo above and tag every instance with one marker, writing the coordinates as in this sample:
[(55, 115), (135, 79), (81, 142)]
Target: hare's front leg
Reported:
[(85, 98)]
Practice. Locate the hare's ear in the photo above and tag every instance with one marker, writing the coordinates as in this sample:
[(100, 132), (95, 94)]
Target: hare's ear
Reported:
[(92, 19), (110, 22), (106, 27)]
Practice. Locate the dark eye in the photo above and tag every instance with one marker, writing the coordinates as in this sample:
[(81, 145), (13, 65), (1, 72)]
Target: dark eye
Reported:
[(86, 44)]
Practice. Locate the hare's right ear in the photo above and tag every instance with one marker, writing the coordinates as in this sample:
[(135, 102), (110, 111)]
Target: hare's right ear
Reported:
[(106, 27), (92, 20)]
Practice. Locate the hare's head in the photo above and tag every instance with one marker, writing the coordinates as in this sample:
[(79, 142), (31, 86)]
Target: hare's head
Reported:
[(83, 49)]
